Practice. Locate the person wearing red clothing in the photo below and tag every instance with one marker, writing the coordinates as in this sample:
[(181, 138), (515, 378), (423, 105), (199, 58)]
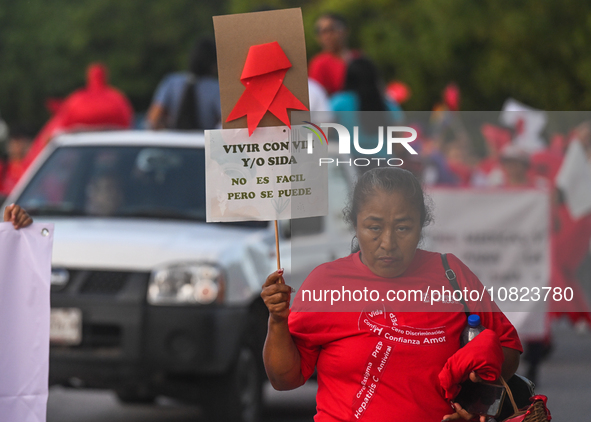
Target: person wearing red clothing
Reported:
[(458, 157), (488, 171), (570, 244), (379, 364), (516, 165), (17, 148), (329, 67), (96, 106)]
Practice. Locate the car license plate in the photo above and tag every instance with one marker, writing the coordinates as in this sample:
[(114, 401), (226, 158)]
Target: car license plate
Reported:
[(66, 326)]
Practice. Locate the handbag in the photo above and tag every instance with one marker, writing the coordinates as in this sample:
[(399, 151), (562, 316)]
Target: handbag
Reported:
[(523, 405), (536, 411)]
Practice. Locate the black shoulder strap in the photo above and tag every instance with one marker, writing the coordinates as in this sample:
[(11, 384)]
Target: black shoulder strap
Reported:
[(187, 117), (451, 276)]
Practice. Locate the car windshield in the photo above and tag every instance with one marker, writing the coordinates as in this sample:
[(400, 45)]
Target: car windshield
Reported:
[(119, 181)]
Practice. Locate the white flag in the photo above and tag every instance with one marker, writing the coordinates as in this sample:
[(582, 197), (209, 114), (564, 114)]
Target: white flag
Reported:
[(574, 179), (25, 271)]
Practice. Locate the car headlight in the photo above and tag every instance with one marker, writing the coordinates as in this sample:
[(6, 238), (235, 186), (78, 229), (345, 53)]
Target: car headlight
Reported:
[(186, 284), (59, 278)]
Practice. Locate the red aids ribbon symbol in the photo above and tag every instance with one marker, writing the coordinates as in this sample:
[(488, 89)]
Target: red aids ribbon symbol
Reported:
[(263, 74)]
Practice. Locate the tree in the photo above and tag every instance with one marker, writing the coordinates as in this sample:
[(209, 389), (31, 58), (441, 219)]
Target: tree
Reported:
[(46, 47), (534, 51), (493, 49)]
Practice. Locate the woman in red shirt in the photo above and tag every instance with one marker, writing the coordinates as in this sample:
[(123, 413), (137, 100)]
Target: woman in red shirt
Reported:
[(380, 364)]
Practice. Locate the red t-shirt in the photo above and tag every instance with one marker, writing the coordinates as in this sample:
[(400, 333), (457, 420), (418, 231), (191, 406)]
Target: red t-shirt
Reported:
[(462, 171), (330, 70), (384, 365)]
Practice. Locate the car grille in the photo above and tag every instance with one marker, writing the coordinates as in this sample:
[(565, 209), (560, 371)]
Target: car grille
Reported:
[(101, 335), (111, 302), (104, 282)]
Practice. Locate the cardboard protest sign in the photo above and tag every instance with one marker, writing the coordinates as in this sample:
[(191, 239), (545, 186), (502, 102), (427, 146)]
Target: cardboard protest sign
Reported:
[(259, 167)]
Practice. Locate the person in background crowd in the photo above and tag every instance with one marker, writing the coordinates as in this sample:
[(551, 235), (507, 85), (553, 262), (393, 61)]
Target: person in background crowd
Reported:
[(434, 170), (329, 67), (488, 171), (104, 195), (17, 216), (515, 163), (96, 106), (570, 237), (388, 213), (546, 163), (17, 147), (362, 92), (189, 100), (570, 243), (457, 158)]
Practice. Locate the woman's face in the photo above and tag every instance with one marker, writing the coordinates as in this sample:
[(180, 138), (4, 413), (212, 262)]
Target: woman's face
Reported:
[(388, 231)]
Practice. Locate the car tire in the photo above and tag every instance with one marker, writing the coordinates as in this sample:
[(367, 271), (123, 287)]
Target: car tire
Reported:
[(237, 396)]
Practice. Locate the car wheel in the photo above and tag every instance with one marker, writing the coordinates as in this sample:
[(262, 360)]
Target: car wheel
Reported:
[(238, 396)]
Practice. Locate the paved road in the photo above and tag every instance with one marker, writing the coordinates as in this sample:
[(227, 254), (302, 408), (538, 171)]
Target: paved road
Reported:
[(565, 378), (68, 405)]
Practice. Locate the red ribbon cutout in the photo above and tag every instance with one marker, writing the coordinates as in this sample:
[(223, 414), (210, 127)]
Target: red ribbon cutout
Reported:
[(263, 74)]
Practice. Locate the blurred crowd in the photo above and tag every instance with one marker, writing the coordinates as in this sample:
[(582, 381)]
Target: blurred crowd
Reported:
[(511, 152)]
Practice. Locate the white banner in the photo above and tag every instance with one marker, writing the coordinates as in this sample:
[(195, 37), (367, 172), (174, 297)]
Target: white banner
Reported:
[(270, 175), (25, 271), (503, 236)]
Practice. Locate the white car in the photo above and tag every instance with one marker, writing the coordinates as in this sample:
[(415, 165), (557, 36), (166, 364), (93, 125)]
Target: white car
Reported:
[(146, 297)]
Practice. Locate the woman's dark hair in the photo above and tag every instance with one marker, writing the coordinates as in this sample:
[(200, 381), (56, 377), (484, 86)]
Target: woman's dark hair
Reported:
[(362, 79), (203, 60), (388, 179)]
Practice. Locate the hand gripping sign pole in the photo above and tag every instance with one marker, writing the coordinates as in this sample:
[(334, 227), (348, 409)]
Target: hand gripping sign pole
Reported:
[(277, 246)]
